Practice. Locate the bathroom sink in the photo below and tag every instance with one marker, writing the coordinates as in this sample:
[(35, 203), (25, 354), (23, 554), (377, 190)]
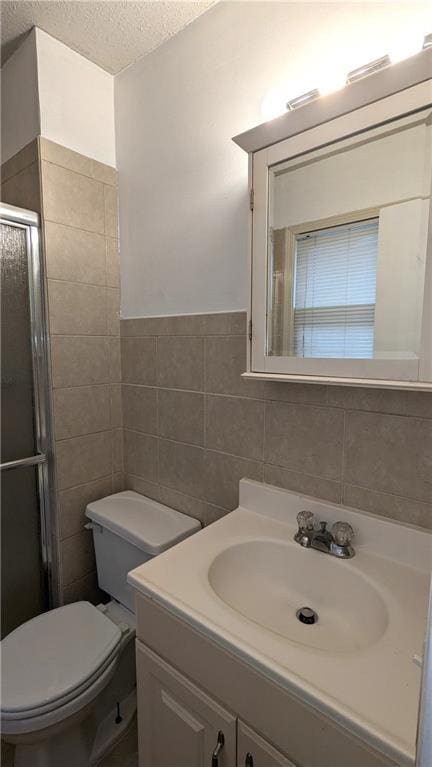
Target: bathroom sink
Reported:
[(269, 581)]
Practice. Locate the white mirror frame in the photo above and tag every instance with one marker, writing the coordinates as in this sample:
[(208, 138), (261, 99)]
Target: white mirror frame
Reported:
[(398, 374)]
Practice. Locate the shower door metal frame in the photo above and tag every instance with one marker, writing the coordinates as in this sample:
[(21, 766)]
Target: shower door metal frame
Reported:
[(43, 459)]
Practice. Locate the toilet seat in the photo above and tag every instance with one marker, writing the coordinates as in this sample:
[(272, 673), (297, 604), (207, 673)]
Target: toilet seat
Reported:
[(55, 658)]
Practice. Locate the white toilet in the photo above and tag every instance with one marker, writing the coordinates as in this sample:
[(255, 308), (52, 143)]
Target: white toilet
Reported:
[(68, 675)]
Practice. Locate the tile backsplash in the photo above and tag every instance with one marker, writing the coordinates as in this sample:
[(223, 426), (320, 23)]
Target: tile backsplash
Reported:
[(193, 427)]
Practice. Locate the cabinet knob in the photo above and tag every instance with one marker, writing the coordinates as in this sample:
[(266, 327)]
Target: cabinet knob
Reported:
[(249, 760), (218, 748)]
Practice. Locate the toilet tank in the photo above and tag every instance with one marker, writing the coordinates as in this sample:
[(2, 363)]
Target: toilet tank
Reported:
[(129, 529)]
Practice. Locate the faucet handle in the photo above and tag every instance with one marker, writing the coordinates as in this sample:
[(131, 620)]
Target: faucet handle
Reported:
[(305, 520), (342, 533)]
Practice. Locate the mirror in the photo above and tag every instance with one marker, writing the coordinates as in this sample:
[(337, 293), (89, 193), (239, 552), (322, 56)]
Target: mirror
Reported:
[(347, 241)]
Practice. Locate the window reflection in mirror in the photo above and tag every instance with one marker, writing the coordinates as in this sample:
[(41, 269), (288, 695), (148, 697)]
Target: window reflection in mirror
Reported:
[(347, 245)]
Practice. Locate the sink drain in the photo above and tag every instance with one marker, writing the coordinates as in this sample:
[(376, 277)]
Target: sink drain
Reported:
[(307, 615)]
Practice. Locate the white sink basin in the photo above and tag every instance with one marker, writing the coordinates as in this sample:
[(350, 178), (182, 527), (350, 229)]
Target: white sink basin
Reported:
[(267, 581), (241, 581)]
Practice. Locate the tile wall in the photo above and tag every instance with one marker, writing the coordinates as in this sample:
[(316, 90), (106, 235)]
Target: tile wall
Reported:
[(77, 199), (193, 427), (79, 209)]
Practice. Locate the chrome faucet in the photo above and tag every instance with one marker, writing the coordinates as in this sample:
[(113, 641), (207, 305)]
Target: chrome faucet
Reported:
[(337, 543)]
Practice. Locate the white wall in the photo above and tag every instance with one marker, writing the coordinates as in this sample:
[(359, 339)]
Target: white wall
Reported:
[(183, 183), (76, 100), (20, 121)]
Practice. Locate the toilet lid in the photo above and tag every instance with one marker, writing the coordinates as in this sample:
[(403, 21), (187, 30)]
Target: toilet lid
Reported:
[(46, 658)]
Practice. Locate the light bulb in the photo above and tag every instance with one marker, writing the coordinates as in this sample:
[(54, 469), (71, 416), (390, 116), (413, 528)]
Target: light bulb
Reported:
[(330, 79), (405, 47), (273, 104)]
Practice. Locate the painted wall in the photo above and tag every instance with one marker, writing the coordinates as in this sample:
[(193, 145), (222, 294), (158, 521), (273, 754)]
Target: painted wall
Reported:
[(20, 121), (76, 100), (183, 183)]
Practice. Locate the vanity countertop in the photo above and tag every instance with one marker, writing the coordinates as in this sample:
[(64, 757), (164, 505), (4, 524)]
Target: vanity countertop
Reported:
[(372, 686)]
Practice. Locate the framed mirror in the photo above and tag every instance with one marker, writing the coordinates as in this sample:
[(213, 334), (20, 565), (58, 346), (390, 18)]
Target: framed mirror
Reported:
[(341, 246)]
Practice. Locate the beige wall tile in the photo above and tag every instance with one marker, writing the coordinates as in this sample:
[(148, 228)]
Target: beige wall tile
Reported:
[(225, 361), (226, 323), (74, 255), (81, 410), (213, 513), (105, 173), (414, 403), (183, 325), (143, 486), (118, 481), (222, 474), (113, 311), (115, 360), (303, 483), (112, 262), (73, 503), (22, 159), (305, 439), (235, 425), (116, 406), (140, 408), (181, 363), (73, 199), (85, 588), (117, 451), (140, 455), (386, 505), (79, 361), (181, 416), (76, 309), (78, 557), (181, 467), (66, 158), (138, 359), (111, 211), (389, 453), (23, 189), (184, 503), (305, 394), (82, 459)]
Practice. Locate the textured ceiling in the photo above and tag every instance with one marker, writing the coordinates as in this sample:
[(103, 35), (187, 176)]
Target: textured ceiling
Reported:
[(112, 33)]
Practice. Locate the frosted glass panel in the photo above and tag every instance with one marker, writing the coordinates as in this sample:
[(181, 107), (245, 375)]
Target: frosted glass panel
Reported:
[(23, 588), (17, 406), (23, 593)]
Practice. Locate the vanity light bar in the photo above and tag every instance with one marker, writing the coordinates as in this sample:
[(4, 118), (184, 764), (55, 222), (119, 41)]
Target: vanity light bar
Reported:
[(427, 42), (305, 98), (368, 69)]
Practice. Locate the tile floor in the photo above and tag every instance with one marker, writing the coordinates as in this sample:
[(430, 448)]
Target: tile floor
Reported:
[(124, 755)]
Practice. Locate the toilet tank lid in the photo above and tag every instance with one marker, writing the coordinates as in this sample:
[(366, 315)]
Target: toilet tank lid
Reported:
[(149, 525)]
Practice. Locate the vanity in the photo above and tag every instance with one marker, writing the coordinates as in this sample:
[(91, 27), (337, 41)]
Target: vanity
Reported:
[(228, 675)]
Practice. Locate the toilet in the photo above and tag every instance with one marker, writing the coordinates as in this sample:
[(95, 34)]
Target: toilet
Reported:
[(68, 675)]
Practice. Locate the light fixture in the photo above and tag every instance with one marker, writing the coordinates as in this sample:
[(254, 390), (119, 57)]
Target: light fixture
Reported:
[(305, 98), (368, 69), (427, 42), (273, 104), (405, 46)]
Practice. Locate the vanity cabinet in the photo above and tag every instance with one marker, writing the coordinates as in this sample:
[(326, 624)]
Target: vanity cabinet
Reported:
[(254, 751), (179, 725), (190, 689)]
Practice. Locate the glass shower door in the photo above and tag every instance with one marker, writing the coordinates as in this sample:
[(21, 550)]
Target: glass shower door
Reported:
[(25, 434)]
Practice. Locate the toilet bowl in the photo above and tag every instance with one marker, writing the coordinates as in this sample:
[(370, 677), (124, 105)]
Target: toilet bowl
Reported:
[(68, 683)]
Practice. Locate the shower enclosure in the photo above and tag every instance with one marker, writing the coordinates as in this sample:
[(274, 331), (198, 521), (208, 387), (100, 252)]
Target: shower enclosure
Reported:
[(27, 524)]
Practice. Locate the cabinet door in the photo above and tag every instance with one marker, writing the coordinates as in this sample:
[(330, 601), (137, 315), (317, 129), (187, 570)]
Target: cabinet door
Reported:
[(254, 751), (178, 724)]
